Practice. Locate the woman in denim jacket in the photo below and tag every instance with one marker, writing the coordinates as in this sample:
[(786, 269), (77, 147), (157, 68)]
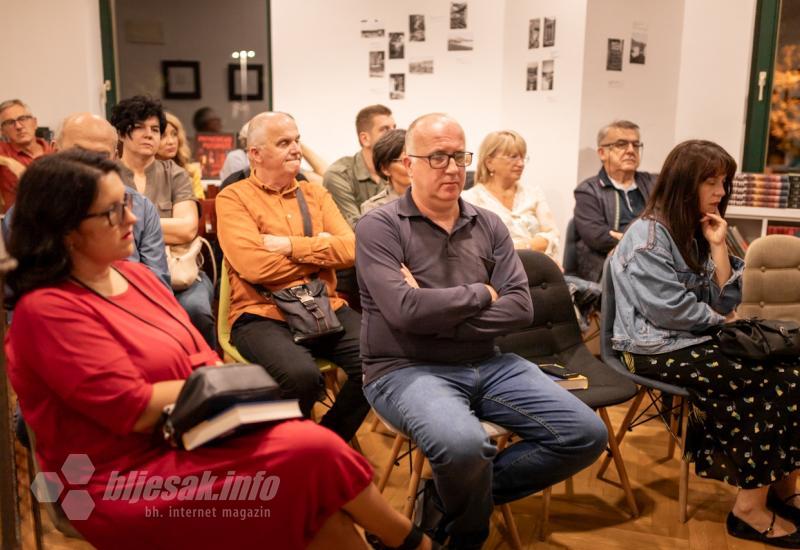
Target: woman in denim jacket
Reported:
[(673, 278)]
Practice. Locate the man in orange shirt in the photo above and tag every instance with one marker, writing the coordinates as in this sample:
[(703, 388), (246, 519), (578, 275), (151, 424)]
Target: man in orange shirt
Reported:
[(260, 229), (20, 147)]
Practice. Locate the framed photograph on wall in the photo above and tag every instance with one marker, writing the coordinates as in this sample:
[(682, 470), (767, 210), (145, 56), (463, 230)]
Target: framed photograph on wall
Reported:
[(254, 83), (181, 79)]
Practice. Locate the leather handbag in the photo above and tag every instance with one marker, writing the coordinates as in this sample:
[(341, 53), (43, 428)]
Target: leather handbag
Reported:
[(759, 339), (210, 390), (184, 262)]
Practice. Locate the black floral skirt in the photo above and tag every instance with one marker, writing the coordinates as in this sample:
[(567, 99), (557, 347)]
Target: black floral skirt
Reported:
[(743, 420)]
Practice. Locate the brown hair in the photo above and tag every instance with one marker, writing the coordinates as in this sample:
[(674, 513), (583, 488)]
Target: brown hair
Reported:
[(365, 116), (674, 199)]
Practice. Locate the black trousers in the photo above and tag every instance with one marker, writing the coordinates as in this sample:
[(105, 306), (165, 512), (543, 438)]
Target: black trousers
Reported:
[(269, 343)]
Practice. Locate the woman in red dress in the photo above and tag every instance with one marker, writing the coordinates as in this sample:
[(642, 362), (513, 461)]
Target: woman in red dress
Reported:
[(99, 346)]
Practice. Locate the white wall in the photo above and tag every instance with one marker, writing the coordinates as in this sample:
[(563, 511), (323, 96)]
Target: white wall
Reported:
[(52, 57), (193, 30), (321, 67), (715, 72), (548, 120), (645, 94)]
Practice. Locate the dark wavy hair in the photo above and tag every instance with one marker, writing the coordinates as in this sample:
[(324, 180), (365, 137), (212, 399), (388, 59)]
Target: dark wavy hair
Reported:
[(134, 110), (53, 197), (387, 148), (674, 199)]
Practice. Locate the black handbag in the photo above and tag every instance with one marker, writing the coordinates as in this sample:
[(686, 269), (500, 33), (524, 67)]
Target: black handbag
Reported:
[(209, 391), (759, 339), (306, 308)]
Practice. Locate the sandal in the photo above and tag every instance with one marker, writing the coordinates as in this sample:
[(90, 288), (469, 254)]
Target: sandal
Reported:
[(740, 529)]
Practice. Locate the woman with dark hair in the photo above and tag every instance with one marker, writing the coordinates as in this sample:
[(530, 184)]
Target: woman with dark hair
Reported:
[(387, 156), (99, 346), (674, 278)]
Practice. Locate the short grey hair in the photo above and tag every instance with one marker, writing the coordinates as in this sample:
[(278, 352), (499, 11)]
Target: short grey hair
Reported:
[(257, 127), (621, 124), (10, 103)]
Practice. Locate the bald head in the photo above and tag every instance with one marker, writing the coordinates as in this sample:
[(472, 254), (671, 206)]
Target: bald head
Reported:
[(430, 125), (260, 124), (88, 131)]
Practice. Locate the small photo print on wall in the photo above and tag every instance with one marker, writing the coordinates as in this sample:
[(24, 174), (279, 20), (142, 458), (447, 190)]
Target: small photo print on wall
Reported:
[(377, 64), (421, 66), (459, 41), (397, 45), (548, 70), (416, 28), (614, 54), (638, 46), (534, 29), (372, 28), (458, 15), (549, 38), (397, 82), (533, 76)]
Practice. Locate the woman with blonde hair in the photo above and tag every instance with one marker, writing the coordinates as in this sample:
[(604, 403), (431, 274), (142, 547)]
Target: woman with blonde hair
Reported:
[(521, 205), (174, 146)]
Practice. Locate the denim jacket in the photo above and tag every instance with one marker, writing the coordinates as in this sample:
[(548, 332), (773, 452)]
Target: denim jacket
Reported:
[(660, 300)]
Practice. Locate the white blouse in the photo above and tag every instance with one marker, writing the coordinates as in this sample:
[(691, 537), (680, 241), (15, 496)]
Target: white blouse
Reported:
[(529, 217)]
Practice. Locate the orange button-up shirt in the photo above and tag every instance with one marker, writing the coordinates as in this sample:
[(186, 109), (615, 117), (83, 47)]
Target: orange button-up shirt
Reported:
[(248, 210), (8, 181)]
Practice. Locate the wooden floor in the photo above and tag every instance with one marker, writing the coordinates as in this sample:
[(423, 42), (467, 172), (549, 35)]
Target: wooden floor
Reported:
[(593, 516)]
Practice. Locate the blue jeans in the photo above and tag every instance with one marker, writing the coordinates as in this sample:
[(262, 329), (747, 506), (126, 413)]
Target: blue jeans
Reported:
[(197, 300), (438, 406)]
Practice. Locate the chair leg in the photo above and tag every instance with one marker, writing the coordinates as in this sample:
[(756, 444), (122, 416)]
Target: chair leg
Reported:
[(375, 423), (674, 417), (413, 484), (387, 470), (619, 463), (683, 488), (511, 526), (623, 428), (546, 494)]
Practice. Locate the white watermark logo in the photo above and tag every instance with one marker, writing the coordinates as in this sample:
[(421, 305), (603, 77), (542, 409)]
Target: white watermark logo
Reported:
[(137, 485)]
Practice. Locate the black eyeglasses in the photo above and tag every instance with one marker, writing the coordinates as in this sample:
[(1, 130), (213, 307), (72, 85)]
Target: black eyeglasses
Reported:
[(622, 145), (22, 119), (116, 212), (442, 160)]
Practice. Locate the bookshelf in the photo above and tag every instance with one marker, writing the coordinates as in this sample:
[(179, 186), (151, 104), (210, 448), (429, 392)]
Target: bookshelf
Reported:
[(753, 221)]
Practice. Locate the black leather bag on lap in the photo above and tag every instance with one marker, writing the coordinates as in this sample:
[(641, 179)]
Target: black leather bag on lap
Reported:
[(759, 339)]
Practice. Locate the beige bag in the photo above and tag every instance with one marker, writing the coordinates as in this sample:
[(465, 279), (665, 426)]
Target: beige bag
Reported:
[(184, 261)]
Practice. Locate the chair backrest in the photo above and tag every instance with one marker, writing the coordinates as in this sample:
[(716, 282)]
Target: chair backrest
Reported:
[(771, 280), (570, 253), (555, 329), (608, 311), (223, 324)]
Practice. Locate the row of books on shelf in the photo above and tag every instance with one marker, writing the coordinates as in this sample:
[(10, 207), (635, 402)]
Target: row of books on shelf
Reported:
[(766, 190), (736, 242), (793, 230)]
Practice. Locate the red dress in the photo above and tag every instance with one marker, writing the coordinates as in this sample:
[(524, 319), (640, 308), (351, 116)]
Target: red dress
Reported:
[(83, 370)]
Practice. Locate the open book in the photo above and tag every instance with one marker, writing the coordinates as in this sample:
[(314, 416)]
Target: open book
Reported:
[(579, 382), (240, 415)]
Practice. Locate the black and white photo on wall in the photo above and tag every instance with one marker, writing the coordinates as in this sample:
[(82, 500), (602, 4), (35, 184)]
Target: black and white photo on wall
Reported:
[(416, 28), (372, 28), (247, 87), (458, 15), (638, 46), (397, 45), (421, 66), (459, 41), (614, 54), (534, 30), (532, 76), (397, 82), (377, 64), (548, 74), (549, 35), (181, 79)]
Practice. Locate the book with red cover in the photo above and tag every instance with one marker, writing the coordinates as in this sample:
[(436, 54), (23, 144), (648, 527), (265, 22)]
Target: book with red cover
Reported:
[(210, 151)]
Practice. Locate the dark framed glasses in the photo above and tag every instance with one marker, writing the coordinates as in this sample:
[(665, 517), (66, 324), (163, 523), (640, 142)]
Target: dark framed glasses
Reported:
[(116, 212), (441, 160)]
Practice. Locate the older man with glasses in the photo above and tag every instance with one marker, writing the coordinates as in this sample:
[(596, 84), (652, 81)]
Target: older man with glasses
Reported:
[(19, 148), (606, 203), (439, 281)]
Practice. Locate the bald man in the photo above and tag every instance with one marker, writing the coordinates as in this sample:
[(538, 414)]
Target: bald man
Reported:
[(267, 247), (439, 281)]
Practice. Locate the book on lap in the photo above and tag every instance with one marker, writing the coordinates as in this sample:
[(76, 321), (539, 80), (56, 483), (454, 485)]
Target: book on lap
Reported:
[(579, 382), (239, 416)]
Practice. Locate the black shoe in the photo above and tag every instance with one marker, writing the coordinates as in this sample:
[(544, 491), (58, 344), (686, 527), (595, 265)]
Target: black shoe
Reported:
[(429, 513), (783, 508), (739, 529), (411, 542)]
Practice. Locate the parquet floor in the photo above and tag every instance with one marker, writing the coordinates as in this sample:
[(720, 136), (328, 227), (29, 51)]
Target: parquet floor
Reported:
[(590, 516)]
